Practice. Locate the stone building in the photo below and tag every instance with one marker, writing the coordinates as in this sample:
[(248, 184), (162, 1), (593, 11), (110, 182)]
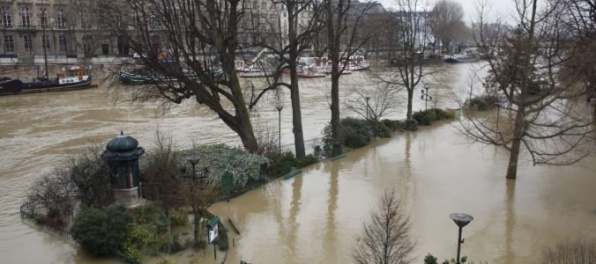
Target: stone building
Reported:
[(73, 29)]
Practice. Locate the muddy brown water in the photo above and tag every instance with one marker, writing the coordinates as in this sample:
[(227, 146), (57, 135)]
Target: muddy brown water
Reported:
[(316, 216)]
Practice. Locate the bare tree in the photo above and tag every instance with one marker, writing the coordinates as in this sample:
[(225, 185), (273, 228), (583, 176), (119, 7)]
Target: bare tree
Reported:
[(292, 37), (161, 180), (373, 102), (91, 175), (412, 43), (580, 21), (581, 251), (83, 21), (446, 22), (185, 44), (54, 192), (543, 115), (342, 21), (386, 238)]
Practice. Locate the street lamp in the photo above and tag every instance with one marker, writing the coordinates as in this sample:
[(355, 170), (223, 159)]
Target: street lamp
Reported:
[(279, 105), (426, 97), (193, 160), (367, 98), (460, 220)]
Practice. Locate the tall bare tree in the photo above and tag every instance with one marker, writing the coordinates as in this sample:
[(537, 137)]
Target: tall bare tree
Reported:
[(342, 19), (386, 237), (293, 35), (161, 180), (446, 22), (580, 20), (412, 43), (184, 44), (543, 114), (83, 21)]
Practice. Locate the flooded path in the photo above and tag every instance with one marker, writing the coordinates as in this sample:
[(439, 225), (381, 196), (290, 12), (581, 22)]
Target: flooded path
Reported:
[(315, 217)]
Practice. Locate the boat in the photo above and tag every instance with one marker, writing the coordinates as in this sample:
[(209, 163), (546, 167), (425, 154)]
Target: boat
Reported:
[(253, 72), (459, 58), (72, 78), (137, 77), (310, 72)]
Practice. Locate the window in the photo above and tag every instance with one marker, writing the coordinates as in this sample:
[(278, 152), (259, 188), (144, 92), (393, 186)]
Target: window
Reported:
[(60, 21), (25, 17), (62, 42), (28, 44), (45, 42), (8, 43), (6, 17), (43, 17), (105, 49)]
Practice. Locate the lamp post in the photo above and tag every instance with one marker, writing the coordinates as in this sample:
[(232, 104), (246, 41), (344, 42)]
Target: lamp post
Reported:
[(460, 220), (279, 105), (367, 98), (426, 97)]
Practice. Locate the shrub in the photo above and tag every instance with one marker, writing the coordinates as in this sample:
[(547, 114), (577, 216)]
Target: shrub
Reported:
[(222, 238), (352, 138), (392, 125), (424, 118), (102, 232), (441, 114), (411, 125), (284, 163), (482, 103)]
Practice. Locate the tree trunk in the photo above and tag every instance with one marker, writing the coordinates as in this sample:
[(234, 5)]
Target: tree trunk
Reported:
[(294, 89), (518, 131), (296, 113), (410, 101), (335, 122)]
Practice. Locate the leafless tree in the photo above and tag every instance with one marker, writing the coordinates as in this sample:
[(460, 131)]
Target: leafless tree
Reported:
[(91, 175), (581, 251), (292, 35), (544, 117), (580, 21), (184, 44), (83, 21), (386, 237), (54, 192), (161, 180), (446, 22), (412, 43), (200, 195), (373, 102), (342, 21)]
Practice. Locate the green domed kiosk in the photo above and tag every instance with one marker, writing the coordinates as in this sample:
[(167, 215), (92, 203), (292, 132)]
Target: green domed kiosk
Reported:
[(122, 155)]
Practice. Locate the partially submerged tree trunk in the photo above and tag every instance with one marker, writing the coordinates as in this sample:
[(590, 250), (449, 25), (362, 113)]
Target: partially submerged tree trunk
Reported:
[(544, 119)]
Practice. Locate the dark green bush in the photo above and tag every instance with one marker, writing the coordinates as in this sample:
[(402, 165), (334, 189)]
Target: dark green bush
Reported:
[(411, 125), (284, 163), (441, 114), (424, 118), (353, 139), (393, 125), (482, 103), (102, 232)]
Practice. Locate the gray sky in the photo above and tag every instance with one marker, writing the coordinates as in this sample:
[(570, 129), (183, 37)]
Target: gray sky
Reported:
[(505, 9)]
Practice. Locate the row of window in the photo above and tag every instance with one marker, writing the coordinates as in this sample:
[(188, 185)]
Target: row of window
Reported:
[(10, 43), (25, 13)]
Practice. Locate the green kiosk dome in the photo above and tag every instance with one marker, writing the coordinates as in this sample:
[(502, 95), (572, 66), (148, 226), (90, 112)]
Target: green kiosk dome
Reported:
[(122, 154)]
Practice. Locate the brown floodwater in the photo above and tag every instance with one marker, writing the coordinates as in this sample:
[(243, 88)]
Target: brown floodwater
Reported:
[(316, 216)]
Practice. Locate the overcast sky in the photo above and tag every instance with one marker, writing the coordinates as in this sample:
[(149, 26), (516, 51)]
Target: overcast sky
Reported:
[(505, 9)]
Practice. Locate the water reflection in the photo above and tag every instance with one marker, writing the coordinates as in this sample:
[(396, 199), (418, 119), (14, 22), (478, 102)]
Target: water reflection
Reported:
[(331, 225)]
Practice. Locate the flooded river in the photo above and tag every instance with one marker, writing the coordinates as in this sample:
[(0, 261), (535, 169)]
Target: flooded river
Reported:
[(314, 217)]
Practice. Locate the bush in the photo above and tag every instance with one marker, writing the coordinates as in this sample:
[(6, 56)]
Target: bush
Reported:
[(411, 125), (102, 232), (424, 118), (441, 114), (284, 163), (352, 138), (222, 238), (482, 103)]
